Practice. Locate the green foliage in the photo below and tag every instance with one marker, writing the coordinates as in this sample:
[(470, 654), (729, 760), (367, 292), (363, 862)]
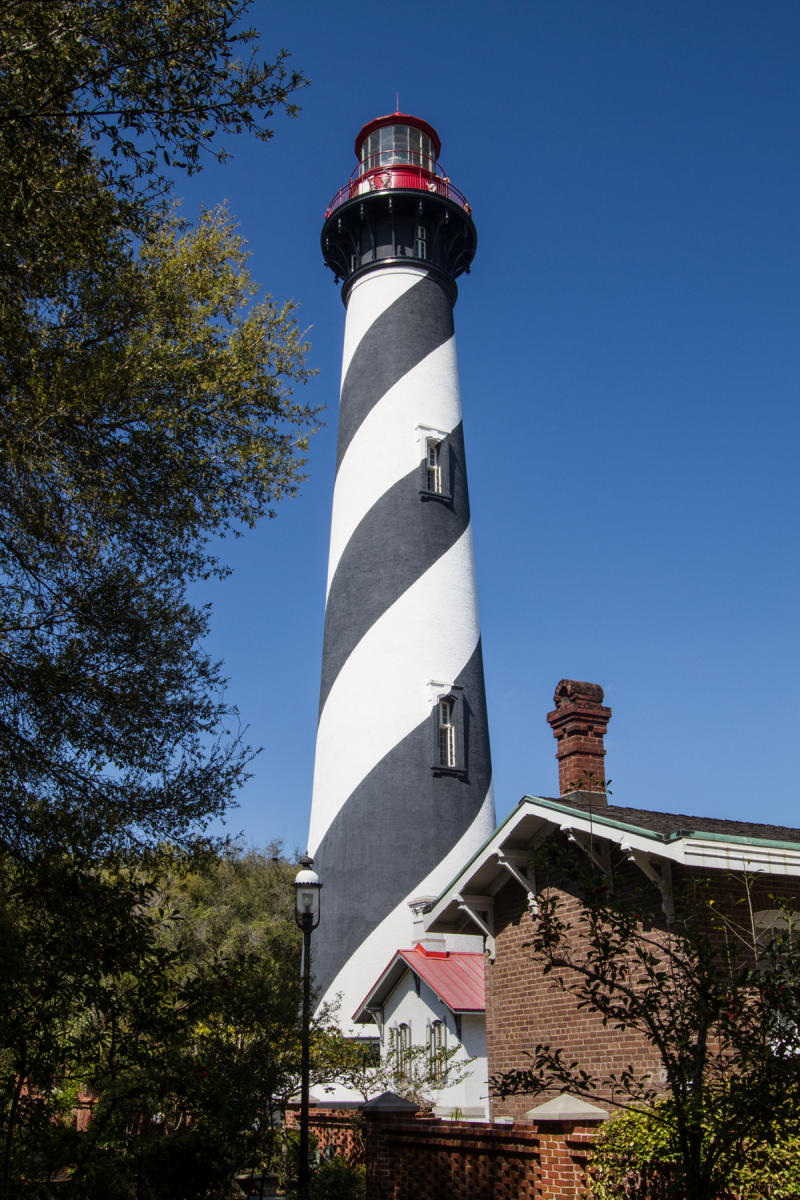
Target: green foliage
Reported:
[(122, 453), (185, 1027), (412, 1074), (637, 1156), (146, 408), (336, 1179)]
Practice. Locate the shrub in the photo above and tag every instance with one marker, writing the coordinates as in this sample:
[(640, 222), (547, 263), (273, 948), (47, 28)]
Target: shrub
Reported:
[(636, 1157), (336, 1179)]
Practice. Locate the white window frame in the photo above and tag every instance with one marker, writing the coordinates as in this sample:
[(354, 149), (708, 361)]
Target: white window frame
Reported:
[(427, 436), (452, 694), (446, 725), (781, 925), (433, 466), (401, 1044), (437, 1044)]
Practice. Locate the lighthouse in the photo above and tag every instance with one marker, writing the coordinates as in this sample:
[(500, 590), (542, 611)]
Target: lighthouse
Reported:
[(402, 778)]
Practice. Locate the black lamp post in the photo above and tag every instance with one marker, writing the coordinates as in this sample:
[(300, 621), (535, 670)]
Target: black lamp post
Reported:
[(307, 888)]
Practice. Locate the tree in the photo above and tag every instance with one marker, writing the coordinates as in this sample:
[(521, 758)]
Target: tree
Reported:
[(146, 409), (183, 1023), (412, 1072), (706, 990)]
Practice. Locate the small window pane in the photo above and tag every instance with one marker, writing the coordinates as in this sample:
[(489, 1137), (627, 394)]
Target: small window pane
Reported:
[(434, 469)]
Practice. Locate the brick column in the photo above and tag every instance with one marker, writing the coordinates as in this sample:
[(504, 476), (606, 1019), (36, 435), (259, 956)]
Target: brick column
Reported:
[(579, 722), (564, 1149)]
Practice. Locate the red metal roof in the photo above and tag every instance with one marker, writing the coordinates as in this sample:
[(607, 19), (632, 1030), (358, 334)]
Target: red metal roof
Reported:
[(456, 976), (398, 118)]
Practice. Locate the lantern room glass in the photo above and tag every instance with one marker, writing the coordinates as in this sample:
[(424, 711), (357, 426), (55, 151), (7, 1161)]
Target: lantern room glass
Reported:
[(395, 145)]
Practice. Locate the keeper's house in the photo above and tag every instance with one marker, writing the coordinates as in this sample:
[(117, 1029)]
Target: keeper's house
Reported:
[(497, 890)]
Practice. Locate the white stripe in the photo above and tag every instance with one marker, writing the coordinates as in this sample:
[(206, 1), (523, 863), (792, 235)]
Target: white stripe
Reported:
[(369, 299), (385, 448), (369, 960), (381, 693)]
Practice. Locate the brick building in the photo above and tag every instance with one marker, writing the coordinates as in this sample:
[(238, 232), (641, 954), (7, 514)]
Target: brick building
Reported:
[(666, 854)]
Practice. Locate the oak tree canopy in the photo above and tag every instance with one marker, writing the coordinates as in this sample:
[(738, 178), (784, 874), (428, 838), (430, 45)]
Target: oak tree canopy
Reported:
[(146, 407)]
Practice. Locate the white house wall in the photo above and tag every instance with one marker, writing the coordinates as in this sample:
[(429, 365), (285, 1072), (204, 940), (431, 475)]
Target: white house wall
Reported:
[(404, 1006)]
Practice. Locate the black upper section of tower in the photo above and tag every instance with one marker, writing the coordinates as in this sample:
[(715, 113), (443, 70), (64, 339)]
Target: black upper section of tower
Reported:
[(398, 208)]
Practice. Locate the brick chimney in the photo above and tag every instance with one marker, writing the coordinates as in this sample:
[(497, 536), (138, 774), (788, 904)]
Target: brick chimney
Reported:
[(579, 722)]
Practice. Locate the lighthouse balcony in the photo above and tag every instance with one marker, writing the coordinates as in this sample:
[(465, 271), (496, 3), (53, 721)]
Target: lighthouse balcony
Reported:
[(405, 176)]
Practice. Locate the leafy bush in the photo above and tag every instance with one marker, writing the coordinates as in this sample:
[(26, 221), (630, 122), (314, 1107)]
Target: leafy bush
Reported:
[(636, 1157), (336, 1179)]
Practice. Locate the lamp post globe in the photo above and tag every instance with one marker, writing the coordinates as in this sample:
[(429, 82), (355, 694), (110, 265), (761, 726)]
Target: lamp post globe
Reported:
[(307, 888)]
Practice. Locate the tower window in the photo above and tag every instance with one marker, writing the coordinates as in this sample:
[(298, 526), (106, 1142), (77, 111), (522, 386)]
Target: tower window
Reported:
[(447, 733), (449, 757), (421, 242), (434, 466)]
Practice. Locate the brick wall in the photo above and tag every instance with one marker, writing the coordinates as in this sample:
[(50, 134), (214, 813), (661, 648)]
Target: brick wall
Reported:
[(430, 1159), (333, 1131), (525, 1007)]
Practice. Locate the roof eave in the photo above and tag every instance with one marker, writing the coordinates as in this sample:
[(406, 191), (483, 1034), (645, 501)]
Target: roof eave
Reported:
[(691, 848)]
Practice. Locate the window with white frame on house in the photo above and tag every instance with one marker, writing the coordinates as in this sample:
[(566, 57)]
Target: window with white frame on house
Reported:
[(777, 936), (401, 1047), (437, 1043), (434, 465), (447, 732), (421, 242)]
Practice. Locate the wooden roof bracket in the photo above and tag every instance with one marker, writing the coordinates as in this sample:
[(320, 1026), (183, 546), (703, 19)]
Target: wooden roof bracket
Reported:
[(661, 877), (376, 1012), (600, 854), (526, 877), (473, 906)]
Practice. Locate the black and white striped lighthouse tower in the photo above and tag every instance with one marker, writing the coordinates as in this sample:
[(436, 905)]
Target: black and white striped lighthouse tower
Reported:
[(402, 781)]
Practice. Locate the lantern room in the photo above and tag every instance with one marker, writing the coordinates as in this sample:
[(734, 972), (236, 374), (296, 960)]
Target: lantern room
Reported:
[(398, 139), (397, 151), (398, 207)]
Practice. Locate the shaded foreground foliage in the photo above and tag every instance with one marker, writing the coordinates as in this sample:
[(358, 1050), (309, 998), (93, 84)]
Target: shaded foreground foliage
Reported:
[(147, 407), (716, 996), (182, 1025), (636, 1156)]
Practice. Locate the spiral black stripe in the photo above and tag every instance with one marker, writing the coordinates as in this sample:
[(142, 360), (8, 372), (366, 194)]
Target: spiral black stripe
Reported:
[(367, 581), (405, 333), (379, 848)]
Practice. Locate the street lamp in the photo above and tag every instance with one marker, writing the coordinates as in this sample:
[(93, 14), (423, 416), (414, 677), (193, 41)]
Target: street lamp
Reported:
[(307, 888)]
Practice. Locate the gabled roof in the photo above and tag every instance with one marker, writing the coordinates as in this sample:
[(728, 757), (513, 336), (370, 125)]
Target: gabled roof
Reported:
[(456, 976), (706, 842)]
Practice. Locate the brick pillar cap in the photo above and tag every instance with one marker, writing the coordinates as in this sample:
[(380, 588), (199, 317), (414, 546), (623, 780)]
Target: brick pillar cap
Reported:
[(566, 1108), (390, 1102)]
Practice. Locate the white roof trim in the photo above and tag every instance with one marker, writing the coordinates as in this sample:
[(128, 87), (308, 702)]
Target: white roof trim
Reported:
[(715, 852)]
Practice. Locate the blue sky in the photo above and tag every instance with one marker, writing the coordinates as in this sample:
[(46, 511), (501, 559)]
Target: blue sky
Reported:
[(629, 358)]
